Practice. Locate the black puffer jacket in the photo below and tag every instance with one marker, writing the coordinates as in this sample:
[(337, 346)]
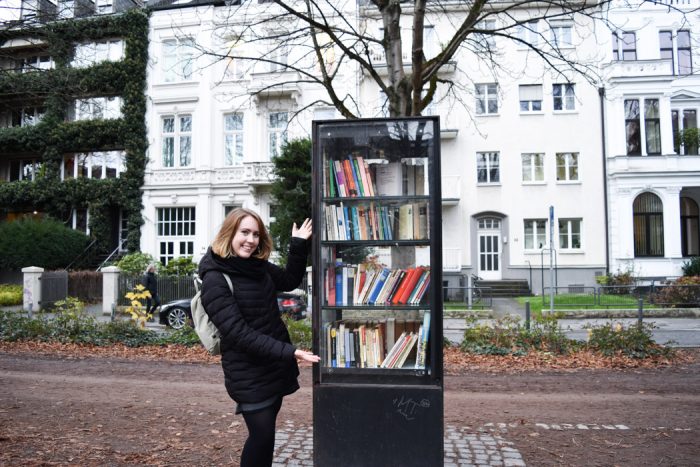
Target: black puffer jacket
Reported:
[(256, 352)]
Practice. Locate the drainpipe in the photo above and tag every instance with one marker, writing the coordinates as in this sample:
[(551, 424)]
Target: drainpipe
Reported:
[(601, 95)]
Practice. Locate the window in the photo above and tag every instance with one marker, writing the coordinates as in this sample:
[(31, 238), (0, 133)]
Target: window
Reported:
[(37, 62), (563, 97), (104, 164), (178, 60), (489, 223), (233, 139), (277, 56), (234, 65), (570, 234), (648, 130), (685, 139), (690, 227), (276, 132), (652, 126), (23, 169), (682, 61), (486, 99), (98, 108), (527, 32), (96, 52), (533, 167), (176, 231), (487, 167), (104, 7), (648, 214), (624, 46), (567, 166), (561, 34), (530, 97), (685, 58), (535, 234), (176, 140), (485, 40), (27, 116)]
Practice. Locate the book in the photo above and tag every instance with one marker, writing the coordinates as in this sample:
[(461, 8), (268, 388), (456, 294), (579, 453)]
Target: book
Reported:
[(379, 283), (421, 289), (358, 177), (410, 285), (334, 347), (364, 175), (349, 178), (406, 350), (423, 343), (341, 344), (406, 222), (340, 179), (389, 178), (402, 286)]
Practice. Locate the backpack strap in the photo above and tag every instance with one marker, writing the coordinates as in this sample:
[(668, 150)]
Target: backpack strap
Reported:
[(230, 284)]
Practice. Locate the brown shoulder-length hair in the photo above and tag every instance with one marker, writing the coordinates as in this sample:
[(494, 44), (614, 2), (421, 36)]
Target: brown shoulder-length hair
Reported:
[(222, 242)]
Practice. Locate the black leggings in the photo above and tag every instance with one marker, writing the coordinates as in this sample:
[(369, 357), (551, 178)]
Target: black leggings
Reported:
[(260, 445)]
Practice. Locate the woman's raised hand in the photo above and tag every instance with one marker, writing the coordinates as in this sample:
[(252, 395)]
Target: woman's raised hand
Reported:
[(304, 231)]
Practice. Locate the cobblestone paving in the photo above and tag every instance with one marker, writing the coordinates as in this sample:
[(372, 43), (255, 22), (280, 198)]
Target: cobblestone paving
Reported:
[(464, 446)]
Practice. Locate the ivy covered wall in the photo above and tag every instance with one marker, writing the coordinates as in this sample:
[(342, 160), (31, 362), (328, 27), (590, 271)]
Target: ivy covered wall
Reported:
[(54, 136)]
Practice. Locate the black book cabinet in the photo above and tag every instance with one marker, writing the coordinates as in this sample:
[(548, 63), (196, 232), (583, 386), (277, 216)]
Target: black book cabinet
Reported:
[(377, 302)]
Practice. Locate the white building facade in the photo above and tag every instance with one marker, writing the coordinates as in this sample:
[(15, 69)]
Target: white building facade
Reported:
[(525, 150), (652, 99)]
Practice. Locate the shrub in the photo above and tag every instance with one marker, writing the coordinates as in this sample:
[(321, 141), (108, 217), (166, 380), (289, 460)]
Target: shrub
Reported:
[(44, 243), (10, 294), (624, 279), (685, 291), (136, 263), (635, 341), (692, 267), (507, 336), (183, 266)]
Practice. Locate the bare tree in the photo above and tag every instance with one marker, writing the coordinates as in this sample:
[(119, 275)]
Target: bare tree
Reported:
[(385, 40)]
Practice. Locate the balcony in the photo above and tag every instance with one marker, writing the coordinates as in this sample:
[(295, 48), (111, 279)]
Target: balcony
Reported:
[(451, 259), (635, 69), (250, 173), (653, 165), (451, 189)]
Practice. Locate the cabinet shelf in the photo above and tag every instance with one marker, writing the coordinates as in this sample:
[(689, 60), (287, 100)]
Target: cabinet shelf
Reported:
[(347, 199), (397, 243)]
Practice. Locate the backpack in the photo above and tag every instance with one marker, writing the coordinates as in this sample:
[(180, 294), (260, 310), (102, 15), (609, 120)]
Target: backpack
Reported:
[(208, 334)]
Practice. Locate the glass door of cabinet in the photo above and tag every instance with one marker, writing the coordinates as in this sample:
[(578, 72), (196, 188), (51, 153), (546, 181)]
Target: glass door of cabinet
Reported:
[(375, 287)]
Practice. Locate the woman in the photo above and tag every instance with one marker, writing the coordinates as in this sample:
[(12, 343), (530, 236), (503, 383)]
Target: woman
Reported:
[(257, 356)]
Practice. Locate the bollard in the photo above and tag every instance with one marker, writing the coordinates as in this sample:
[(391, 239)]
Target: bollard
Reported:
[(640, 311), (29, 312), (114, 311), (527, 315)]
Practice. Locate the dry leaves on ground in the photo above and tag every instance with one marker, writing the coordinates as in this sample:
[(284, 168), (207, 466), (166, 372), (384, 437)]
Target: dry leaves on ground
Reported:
[(455, 361)]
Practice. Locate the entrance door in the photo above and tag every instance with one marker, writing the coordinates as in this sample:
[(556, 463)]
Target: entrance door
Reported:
[(489, 236)]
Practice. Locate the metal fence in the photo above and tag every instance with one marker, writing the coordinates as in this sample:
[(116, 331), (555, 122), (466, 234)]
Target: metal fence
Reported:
[(455, 298), (169, 287), (624, 296), (54, 287)]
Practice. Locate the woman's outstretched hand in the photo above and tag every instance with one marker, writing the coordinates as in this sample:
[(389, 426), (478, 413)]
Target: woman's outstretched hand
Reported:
[(304, 231), (306, 356)]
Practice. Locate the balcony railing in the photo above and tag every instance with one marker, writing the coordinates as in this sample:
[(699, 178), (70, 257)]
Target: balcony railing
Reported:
[(452, 259)]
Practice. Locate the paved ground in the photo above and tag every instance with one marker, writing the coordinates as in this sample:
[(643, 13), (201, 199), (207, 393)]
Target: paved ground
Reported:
[(80, 410)]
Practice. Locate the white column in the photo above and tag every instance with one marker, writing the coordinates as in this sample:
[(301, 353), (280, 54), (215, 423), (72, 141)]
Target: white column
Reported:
[(32, 288), (672, 222), (110, 288)]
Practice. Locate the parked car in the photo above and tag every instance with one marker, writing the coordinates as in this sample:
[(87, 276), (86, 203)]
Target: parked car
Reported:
[(177, 313)]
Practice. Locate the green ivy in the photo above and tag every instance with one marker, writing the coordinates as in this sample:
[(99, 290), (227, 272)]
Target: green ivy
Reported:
[(54, 136)]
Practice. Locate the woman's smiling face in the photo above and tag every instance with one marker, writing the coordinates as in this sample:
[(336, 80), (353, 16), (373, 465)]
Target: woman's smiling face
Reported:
[(247, 238)]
